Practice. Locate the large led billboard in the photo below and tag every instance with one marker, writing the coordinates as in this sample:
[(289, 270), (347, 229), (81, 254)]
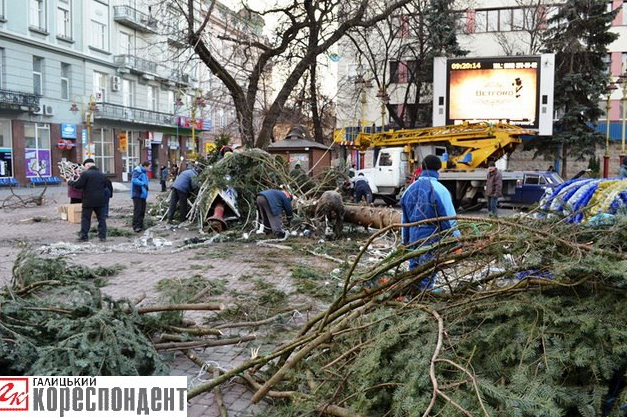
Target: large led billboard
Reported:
[(516, 90)]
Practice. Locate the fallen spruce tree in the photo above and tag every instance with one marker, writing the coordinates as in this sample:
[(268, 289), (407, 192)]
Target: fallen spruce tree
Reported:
[(527, 319), (247, 173), (55, 320)]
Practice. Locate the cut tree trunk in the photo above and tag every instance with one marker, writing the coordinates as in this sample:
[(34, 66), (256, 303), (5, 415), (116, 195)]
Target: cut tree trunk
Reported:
[(368, 216)]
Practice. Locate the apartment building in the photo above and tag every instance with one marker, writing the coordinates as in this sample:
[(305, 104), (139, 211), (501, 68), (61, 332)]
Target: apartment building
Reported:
[(108, 79)]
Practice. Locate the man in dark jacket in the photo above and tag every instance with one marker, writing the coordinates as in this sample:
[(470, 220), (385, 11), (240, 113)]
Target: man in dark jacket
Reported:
[(271, 204), (165, 173), (93, 184), (184, 184), (493, 188), (362, 189)]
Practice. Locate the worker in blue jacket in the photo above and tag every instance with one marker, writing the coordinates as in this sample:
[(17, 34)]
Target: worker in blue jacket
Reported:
[(271, 204), (139, 194), (183, 185), (426, 198)]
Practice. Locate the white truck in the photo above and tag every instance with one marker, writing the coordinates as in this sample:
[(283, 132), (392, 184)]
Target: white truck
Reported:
[(472, 146)]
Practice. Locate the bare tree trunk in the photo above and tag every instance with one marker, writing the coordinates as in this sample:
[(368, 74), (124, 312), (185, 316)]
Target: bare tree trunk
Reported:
[(315, 115), (319, 15)]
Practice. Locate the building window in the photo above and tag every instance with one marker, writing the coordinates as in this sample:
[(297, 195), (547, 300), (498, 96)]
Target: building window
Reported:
[(37, 9), (99, 87), (5, 133), (2, 10), (2, 67), (65, 81), (133, 153), (64, 20), (6, 149), (125, 44), (505, 20), (99, 35), (394, 72), (481, 21), (98, 24), (38, 65), (518, 19), (153, 98), (607, 60), (37, 149), (128, 93), (102, 139), (354, 72), (171, 102), (492, 19)]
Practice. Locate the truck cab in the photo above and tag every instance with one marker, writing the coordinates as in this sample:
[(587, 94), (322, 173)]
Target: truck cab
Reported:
[(389, 173)]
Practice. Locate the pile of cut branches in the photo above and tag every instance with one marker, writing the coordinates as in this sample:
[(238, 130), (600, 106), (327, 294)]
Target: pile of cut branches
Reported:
[(249, 172), (55, 320), (527, 319)]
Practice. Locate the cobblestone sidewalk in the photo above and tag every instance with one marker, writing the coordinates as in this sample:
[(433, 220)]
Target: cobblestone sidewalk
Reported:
[(145, 265)]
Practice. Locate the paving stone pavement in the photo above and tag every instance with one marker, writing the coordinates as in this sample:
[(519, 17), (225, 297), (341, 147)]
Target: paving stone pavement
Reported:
[(145, 266)]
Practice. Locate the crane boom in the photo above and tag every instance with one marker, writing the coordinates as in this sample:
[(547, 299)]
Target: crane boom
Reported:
[(470, 145)]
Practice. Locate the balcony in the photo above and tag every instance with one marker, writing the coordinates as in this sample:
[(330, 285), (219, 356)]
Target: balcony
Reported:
[(19, 101), (133, 18), (136, 64), (116, 112), (176, 36)]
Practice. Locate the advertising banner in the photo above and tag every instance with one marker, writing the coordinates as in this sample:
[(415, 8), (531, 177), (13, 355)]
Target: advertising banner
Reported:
[(494, 89), (123, 142), (38, 162), (6, 162)]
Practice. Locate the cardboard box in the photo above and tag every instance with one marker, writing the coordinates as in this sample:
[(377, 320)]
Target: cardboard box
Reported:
[(74, 213)]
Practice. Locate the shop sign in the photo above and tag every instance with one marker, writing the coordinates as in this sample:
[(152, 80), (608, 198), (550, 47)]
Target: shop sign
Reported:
[(68, 130)]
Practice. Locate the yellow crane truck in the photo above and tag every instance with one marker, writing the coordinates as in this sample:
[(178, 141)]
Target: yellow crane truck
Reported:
[(465, 149)]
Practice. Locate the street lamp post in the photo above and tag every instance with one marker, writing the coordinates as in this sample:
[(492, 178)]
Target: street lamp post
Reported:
[(364, 84), (195, 105), (92, 107), (198, 102), (385, 99), (606, 156), (622, 80)]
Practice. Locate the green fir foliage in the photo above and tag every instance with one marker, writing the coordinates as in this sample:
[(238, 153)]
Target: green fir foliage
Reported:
[(547, 345), (55, 321)]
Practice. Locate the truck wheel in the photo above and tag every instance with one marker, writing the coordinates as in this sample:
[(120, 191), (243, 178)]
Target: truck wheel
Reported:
[(390, 201), (470, 205)]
